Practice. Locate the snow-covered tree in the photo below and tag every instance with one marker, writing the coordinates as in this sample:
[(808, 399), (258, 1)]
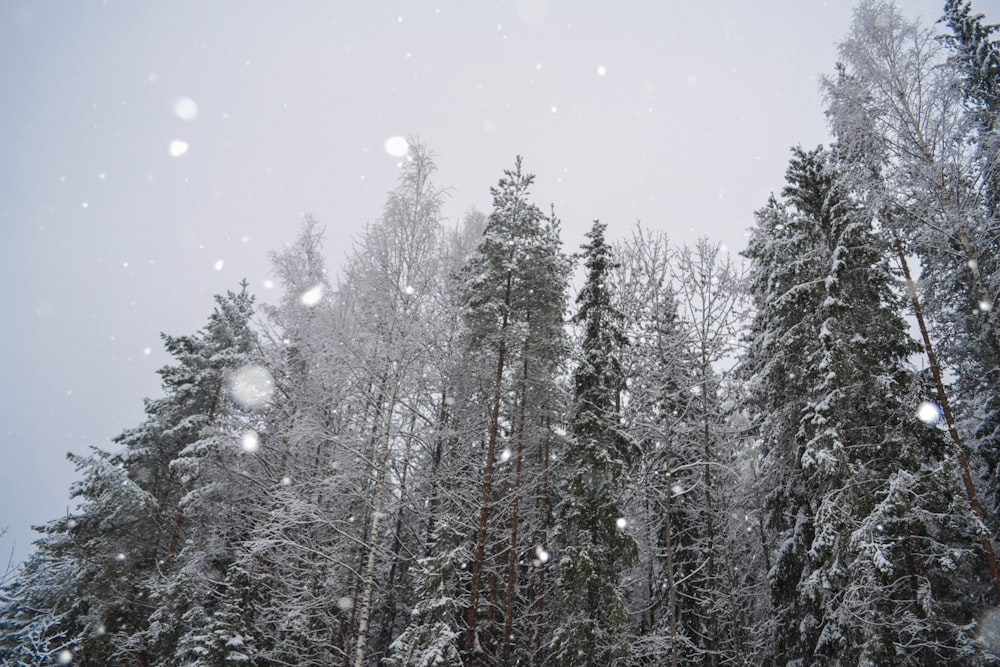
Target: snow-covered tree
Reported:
[(865, 507), (126, 577), (515, 299), (593, 544), (432, 636), (965, 331)]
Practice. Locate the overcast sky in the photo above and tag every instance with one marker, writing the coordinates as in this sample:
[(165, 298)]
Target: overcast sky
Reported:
[(154, 153)]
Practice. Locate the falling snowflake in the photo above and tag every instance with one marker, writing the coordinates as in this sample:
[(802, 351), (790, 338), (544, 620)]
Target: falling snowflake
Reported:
[(251, 386), (186, 109), (621, 523), (250, 442), (65, 657), (312, 296), (219, 264), (929, 413), (396, 146), (178, 148), (541, 556), (602, 70)]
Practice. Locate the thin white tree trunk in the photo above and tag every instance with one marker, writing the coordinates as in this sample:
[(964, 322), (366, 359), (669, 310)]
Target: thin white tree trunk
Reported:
[(383, 461)]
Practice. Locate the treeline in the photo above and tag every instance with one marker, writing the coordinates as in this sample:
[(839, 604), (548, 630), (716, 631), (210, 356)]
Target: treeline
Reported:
[(441, 459)]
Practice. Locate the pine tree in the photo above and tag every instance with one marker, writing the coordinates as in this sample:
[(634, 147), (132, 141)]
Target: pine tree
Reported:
[(593, 544), (514, 296)]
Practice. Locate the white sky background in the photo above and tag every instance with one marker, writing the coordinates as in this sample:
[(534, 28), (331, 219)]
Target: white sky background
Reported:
[(107, 239)]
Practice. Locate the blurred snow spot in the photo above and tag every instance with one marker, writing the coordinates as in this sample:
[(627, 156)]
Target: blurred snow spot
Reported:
[(286, 481), (101, 176), (538, 66), (120, 558), (554, 108), (178, 148), (396, 146), (218, 264), (692, 79), (621, 523), (71, 524), (268, 284), (251, 386), (601, 70), (65, 656), (489, 125), (677, 489), (345, 603), (84, 205), (986, 305), (250, 442), (532, 12), (929, 413), (973, 264), (541, 556), (152, 77), (147, 351), (409, 290), (186, 109), (124, 265), (312, 296), (505, 455), (989, 630)]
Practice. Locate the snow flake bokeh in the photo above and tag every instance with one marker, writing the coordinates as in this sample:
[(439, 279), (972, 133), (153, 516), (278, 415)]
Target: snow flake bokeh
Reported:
[(178, 148), (397, 146), (251, 386), (312, 296), (186, 109), (929, 413)]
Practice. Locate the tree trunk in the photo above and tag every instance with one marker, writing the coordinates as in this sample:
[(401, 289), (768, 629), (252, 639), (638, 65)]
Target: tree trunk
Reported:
[(508, 624), (383, 462), (472, 618), (963, 460)]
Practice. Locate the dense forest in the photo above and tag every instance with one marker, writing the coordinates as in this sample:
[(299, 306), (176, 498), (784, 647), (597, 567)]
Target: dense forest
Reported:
[(448, 455)]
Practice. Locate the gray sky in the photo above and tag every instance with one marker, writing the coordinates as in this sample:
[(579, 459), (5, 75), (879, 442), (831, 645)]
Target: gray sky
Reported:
[(676, 113)]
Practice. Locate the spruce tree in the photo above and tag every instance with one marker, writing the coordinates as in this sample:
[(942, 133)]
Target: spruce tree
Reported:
[(432, 637), (126, 561), (865, 506), (592, 538)]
